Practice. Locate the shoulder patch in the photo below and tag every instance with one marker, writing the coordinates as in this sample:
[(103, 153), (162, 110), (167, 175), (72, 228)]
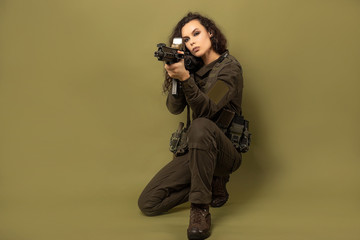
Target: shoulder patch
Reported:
[(218, 91)]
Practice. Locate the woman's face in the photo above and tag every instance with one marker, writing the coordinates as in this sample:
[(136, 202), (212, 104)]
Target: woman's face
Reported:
[(196, 38)]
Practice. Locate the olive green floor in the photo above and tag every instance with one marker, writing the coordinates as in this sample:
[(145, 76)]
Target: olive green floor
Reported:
[(110, 212)]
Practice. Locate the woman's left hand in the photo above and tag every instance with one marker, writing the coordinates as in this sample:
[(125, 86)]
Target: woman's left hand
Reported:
[(178, 70)]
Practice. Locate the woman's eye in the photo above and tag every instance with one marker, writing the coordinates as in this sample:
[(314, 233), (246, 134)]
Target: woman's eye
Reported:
[(186, 40), (196, 33)]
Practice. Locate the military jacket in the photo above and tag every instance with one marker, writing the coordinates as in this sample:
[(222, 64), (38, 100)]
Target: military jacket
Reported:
[(213, 87)]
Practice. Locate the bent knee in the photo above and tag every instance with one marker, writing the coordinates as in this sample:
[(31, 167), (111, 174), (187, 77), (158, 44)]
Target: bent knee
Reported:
[(147, 207), (201, 133)]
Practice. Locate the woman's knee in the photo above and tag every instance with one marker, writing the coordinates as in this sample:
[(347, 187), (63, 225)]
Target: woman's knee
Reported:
[(201, 133), (147, 207)]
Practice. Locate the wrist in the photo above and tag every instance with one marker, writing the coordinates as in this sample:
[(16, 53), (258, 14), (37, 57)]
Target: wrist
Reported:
[(185, 76)]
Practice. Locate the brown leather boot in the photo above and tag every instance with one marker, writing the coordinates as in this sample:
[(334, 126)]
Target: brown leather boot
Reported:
[(219, 193), (200, 222)]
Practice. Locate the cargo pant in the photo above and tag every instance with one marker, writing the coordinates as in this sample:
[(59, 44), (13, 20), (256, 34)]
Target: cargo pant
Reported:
[(189, 177)]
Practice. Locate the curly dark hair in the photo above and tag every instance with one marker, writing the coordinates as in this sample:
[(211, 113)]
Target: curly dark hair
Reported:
[(218, 40)]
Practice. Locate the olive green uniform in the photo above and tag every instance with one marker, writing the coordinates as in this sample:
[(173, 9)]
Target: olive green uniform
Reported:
[(213, 87)]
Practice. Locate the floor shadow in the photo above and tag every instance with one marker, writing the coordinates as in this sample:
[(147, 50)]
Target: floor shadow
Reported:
[(180, 208)]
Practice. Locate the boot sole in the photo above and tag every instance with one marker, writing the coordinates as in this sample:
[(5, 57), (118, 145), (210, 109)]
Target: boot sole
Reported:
[(192, 236), (219, 204)]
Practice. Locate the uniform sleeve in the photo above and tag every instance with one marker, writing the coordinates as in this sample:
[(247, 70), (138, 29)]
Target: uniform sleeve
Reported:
[(176, 104), (228, 85)]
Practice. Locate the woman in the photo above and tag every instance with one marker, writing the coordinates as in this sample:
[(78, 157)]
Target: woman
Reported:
[(200, 175)]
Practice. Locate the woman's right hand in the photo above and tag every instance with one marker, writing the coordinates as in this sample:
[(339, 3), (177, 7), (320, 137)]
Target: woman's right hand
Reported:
[(178, 70)]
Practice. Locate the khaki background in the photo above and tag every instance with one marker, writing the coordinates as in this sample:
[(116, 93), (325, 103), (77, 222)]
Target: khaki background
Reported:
[(83, 122)]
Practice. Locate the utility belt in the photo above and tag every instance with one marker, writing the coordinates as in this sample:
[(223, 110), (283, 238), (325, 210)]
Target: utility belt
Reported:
[(235, 127), (178, 140)]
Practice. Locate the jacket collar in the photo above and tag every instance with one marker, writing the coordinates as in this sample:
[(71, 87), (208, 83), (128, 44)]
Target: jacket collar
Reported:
[(206, 68)]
